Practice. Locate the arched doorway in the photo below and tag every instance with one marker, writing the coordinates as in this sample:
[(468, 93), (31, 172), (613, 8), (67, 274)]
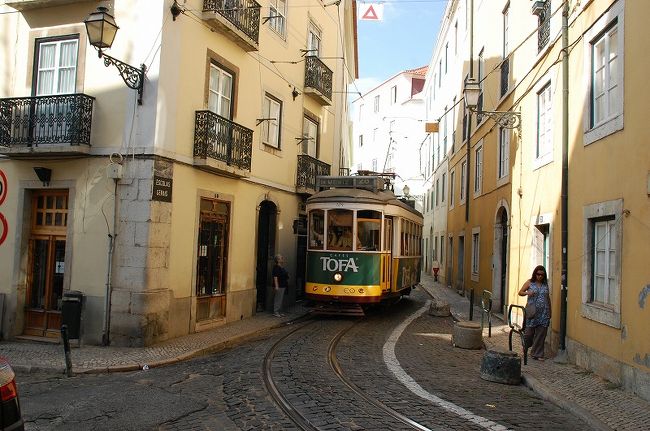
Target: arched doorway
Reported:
[(500, 281), (266, 228)]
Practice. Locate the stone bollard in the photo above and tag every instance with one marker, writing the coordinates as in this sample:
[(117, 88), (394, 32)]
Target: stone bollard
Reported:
[(439, 308), (501, 366), (467, 335)]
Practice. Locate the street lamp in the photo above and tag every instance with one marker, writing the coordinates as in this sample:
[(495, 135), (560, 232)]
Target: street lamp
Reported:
[(505, 119), (101, 29), (406, 190)]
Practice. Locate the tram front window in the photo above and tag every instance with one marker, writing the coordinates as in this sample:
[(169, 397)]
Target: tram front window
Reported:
[(339, 230), (316, 229), (368, 230)]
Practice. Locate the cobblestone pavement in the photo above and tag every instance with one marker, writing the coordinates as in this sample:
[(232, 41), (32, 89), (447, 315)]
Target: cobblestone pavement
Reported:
[(600, 405), (595, 400)]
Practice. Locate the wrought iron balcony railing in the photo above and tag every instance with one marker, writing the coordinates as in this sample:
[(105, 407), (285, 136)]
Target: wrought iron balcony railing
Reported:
[(544, 32), (505, 76), (318, 77), (244, 15), (220, 139), (308, 169), (46, 120)]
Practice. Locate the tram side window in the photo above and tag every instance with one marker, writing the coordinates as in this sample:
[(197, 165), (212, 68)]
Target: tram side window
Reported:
[(339, 230), (388, 234), (316, 229), (368, 230)]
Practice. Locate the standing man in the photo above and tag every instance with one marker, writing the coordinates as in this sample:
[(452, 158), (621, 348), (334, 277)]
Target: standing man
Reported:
[(280, 284)]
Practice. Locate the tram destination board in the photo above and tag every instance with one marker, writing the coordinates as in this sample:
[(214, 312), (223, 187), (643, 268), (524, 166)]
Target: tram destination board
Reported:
[(353, 182)]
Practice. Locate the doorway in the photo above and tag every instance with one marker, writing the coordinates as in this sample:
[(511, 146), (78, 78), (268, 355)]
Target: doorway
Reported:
[(265, 250), (47, 242)]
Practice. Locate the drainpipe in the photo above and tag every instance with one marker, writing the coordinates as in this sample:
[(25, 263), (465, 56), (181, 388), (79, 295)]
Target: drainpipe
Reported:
[(469, 117), (565, 171), (109, 273)]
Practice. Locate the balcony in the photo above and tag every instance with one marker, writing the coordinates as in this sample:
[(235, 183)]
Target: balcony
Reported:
[(308, 169), (46, 126), (318, 80), (222, 146), (34, 4), (239, 20)]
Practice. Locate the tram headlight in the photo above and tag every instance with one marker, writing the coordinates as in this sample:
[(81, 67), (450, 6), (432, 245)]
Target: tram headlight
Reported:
[(338, 277)]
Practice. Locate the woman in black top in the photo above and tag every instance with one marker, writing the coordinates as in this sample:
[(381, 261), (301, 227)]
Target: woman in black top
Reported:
[(280, 283)]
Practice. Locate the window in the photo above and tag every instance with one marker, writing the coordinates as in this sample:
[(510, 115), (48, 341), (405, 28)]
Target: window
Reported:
[(278, 13), (374, 135), (314, 40), (456, 38), (503, 168), (220, 91), (463, 180), (440, 73), (377, 103), (316, 229), (339, 230), (56, 68), (444, 185), (360, 141), (393, 94), (602, 245), (444, 133), (604, 61), (271, 128), (446, 57), (544, 147), (478, 170), (374, 165), (452, 180), (505, 50), (310, 137), (476, 246), (453, 126), (437, 191), (368, 230), (481, 75), (506, 14)]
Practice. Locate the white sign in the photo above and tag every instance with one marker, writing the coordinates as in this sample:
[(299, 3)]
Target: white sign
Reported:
[(370, 11)]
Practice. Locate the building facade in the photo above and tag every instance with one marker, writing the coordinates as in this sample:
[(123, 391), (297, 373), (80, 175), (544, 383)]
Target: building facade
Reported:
[(550, 168), (164, 207)]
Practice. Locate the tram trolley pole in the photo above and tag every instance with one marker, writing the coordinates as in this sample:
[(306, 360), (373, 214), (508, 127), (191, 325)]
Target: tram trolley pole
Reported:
[(486, 310), (518, 329)]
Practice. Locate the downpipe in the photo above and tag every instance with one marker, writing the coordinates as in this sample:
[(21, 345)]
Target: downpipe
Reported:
[(109, 274)]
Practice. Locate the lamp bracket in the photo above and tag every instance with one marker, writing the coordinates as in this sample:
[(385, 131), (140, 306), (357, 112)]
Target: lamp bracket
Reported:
[(132, 76), (505, 119)]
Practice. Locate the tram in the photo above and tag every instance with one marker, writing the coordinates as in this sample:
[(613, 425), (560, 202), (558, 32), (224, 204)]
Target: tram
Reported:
[(363, 245)]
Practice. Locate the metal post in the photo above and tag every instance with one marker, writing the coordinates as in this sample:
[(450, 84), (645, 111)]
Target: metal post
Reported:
[(66, 350), (471, 304)]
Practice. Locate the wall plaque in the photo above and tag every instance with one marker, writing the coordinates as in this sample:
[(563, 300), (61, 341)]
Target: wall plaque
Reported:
[(162, 189)]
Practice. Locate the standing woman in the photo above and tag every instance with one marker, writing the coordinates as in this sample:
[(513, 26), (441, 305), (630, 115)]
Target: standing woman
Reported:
[(280, 284), (536, 289)]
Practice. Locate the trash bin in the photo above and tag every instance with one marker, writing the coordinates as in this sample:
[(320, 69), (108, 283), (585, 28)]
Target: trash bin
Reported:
[(71, 312)]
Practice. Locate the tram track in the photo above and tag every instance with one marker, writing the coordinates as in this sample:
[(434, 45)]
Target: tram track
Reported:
[(298, 418)]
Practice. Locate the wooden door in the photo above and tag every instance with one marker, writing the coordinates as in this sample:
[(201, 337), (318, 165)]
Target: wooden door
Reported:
[(46, 270)]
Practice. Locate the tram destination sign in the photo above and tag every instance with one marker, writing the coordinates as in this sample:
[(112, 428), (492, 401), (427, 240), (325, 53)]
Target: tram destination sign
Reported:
[(162, 189), (352, 182)]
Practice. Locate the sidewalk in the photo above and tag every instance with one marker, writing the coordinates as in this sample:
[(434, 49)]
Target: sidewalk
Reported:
[(596, 401), (584, 394)]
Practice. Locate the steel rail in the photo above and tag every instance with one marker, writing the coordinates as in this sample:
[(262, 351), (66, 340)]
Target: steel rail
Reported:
[(336, 367)]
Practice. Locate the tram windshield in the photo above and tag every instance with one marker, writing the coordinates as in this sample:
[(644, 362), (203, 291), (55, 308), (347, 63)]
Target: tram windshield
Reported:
[(339, 230), (368, 230)]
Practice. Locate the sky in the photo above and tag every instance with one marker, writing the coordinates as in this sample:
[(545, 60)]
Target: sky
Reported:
[(403, 40)]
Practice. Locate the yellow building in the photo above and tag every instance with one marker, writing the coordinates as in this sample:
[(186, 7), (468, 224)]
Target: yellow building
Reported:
[(507, 208), (163, 204)]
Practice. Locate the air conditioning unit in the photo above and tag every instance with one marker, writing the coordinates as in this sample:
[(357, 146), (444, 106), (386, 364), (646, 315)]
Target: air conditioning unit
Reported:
[(538, 7)]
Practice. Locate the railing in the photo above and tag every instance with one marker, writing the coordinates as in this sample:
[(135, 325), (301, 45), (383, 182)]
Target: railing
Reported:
[(308, 169), (221, 139), (544, 32), (505, 76), (318, 76), (243, 14), (46, 120)]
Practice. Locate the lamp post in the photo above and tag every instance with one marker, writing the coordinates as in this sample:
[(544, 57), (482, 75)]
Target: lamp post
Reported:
[(101, 29), (505, 119)]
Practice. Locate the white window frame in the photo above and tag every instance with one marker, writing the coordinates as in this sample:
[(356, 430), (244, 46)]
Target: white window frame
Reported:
[(272, 109), (309, 145), (374, 165), (278, 8), (314, 40), (393, 94), (503, 157), (478, 169), (360, 141), (444, 187), (463, 181), (452, 181), (216, 94), (57, 69), (609, 312), (476, 253), (543, 153), (376, 103), (614, 17)]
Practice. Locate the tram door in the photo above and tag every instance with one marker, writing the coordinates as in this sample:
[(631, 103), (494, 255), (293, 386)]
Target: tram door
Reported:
[(387, 255)]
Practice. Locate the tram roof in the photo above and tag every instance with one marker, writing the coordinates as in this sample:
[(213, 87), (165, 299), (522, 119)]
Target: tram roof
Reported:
[(381, 197)]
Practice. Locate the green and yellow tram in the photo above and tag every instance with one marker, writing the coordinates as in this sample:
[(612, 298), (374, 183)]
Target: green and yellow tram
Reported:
[(364, 244)]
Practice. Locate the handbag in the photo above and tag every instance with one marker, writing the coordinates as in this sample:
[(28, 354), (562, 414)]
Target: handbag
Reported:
[(530, 310)]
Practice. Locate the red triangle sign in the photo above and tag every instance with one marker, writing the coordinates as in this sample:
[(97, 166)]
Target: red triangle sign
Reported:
[(370, 13)]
